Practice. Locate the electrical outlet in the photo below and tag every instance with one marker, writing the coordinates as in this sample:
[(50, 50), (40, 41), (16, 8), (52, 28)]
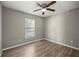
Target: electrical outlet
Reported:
[(71, 41)]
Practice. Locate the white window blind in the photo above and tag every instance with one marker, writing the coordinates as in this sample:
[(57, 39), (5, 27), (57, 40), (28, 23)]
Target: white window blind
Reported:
[(29, 28)]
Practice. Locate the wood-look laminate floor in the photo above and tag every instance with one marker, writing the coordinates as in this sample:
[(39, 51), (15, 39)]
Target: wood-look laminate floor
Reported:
[(41, 48)]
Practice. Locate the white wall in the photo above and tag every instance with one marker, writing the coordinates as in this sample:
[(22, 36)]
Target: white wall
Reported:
[(64, 28), (0, 28), (13, 27)]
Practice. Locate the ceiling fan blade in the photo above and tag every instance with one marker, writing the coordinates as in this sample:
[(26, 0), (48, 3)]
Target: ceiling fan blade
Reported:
[(36, 10), (39, 4), (43, 13), (51, 3), (50, 9)]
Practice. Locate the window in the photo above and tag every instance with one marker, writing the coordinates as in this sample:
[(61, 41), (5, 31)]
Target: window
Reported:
[(29, 28)]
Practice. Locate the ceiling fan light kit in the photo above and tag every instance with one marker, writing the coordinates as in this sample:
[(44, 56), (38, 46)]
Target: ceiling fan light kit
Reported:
[(44, 9)]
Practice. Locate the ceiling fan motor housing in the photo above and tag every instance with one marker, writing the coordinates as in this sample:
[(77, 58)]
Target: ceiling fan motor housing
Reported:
[(44, 5)]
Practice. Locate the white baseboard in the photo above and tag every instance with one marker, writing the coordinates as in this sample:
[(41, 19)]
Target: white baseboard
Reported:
[(21, 44), (62, 44), (39, 40)]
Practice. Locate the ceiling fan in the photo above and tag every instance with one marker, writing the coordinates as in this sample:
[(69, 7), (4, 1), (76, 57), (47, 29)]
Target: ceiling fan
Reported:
[(45, 6)]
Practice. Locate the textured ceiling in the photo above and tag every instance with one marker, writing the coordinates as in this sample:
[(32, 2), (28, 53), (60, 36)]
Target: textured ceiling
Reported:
[(29, 6)]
